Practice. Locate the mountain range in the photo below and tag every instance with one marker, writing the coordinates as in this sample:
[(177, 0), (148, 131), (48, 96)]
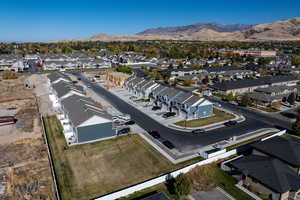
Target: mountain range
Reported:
[(280, 30)]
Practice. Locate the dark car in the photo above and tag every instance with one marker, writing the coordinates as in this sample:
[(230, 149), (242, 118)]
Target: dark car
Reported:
[(168, 144), (230, 123), (79, 79), (156, 108), (124, 131), (198, 131), (154, 134), (169, 114), (131, 122)]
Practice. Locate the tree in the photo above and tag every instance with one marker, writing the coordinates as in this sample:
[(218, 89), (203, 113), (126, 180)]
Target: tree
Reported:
[(182, 185), (158, 76), (230, 97), (291, 98), (180, 66), (205, 80), (170, 67), (298, 110), (296, 126), (263, 61), (188, 83), (296, 60), (246, 100)]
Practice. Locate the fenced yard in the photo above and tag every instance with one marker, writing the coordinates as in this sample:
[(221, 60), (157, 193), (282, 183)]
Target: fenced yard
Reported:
[(91, 170)]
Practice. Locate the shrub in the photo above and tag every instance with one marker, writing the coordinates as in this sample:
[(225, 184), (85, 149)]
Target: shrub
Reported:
[(182, 185)]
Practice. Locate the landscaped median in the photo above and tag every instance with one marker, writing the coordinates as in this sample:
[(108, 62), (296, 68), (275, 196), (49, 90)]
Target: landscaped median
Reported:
[(90, 170), (219, 116)]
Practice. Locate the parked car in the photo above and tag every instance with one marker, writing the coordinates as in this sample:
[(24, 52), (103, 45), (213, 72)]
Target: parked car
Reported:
[(124, 131), (217, 105), (286, 104), (198, 131), (131, 122), (154, 108), (168, 144), (169, 114), (230, 123), (154, 134)]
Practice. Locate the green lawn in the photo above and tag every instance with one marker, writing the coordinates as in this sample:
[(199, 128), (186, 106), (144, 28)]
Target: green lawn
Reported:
[(265, 109), (227, 183), (219, 116), (90, 170)]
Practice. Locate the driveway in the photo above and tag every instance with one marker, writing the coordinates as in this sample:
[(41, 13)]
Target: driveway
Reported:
[(214, 194)]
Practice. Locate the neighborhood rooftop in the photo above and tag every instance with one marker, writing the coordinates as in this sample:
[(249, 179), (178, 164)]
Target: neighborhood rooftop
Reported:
[(269, 171), (266, 80), (282, 148)]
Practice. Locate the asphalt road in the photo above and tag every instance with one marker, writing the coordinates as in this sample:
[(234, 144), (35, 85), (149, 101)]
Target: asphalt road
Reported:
[(183, 141)]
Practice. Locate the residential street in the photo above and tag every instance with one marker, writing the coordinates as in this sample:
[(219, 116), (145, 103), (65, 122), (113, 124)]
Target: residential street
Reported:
[(183, 141)]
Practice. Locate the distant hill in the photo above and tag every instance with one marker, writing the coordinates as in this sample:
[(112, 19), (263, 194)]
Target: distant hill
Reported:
[(280, 30), (194, 28)]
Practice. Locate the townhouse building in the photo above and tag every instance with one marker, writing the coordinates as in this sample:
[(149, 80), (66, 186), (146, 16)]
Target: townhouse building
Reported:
[(249, 85), (169, 98), (83, 120)]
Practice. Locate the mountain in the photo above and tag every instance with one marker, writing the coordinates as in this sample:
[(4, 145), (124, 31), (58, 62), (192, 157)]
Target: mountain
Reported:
[(194, 28), (280, 30)]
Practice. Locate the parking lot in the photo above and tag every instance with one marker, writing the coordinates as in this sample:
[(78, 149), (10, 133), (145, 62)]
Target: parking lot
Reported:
[(147, 107)]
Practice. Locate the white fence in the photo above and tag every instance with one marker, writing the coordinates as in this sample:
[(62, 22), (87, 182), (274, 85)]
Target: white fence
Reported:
[(163, 178), (277, 134)]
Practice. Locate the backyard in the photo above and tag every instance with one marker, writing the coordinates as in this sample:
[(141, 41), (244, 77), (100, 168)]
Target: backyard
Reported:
[(203, 178), (218, 116), (90, 170)]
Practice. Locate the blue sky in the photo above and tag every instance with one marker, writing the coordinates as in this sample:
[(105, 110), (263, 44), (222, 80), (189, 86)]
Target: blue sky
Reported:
[(47, 20)]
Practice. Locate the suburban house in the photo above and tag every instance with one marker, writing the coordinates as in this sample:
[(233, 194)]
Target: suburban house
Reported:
[(266, 96), (196, 71), (169, 98), (249, 85), (272, 169), (218, 76), (83, 120), (71, 61)]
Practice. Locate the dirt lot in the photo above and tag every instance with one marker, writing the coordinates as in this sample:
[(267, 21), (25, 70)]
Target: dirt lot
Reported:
[(90, 170), (24, 165)]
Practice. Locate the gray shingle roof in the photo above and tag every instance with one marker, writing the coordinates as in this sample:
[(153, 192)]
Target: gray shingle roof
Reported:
[(160, 88), (80, 109), (62, 88), (269, 171), (183, 97), (56, 75), (191, 101), (284, 149), (245, 83)]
